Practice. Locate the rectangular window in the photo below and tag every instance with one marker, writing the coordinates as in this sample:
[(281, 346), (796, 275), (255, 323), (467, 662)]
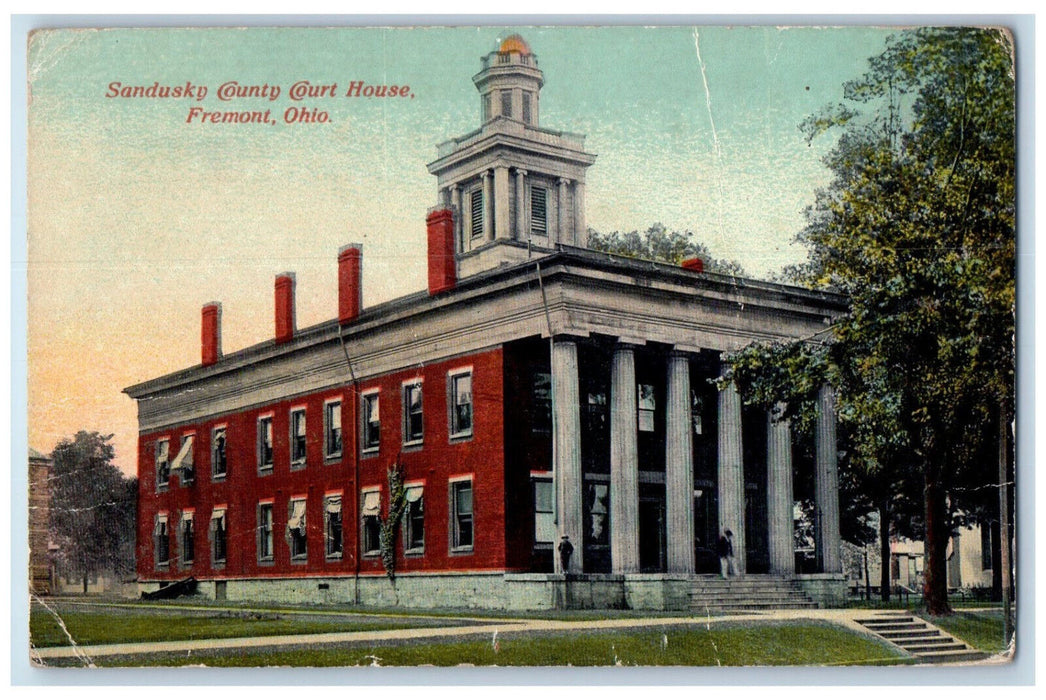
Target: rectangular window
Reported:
[(370, 511), (542, 396), (163, 462), (371, 422), (162, 544), (414, 520), (486, 107), (527, 114), (218, 536), (183, 462), (265, 444), (476, 212), (986, 547), (506, 103), (265, 532), (188, 538), (218, 462), (296, 528), (413, 418), (647, 406), (332, 526), (332, 428), (544, 519), (539, 211), (298, 436), (460, 404), (461, 508)]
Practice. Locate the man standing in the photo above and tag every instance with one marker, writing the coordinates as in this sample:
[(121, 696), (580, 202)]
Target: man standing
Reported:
[(727, 565)]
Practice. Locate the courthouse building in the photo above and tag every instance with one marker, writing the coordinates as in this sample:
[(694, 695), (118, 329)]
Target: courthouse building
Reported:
[(536, 389)]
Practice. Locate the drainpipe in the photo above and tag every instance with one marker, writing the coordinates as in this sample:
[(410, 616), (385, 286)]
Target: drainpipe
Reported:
[(355, 467)]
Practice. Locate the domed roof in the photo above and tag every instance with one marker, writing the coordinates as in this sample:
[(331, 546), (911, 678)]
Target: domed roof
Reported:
[(514, 44)]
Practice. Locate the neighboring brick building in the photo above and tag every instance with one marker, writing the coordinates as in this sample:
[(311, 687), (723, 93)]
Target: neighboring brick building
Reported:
[(536, 389), (39, 515)]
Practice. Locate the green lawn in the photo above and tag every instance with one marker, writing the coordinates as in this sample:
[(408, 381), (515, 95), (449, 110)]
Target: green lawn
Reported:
[(91, 626), (981, 629), (801, 644)]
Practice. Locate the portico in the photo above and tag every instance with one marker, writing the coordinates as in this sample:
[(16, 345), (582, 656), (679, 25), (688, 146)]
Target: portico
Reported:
[(686, 461)]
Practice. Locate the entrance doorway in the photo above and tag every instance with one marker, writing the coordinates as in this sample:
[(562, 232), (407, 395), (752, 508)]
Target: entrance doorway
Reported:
[(706, 528), (651, 535)]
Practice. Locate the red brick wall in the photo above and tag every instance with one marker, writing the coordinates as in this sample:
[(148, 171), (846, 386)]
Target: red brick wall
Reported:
[(434, 462)]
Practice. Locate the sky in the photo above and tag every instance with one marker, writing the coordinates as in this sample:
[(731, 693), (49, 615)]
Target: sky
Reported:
[(137, 218)]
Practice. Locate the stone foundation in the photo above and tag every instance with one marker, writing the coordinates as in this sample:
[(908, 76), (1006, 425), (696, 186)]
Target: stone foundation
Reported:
[(493, 591), (827, 590)]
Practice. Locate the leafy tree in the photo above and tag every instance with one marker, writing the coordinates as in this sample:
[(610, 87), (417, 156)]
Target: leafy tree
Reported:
[(93, 508), (660, 244), (389, 526), (917, 228)]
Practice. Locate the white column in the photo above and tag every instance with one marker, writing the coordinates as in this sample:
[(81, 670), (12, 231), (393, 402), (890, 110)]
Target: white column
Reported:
[(624, 463), (455, 202), (580, 237), (567, 450), (731, 472), (679, 467), (501, 197), (521, 206), (488, 207), (563, 217), (826, 484), (779, 495)]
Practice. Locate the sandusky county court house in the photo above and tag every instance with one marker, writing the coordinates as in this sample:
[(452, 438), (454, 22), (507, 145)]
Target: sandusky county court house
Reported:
[(536, 389)]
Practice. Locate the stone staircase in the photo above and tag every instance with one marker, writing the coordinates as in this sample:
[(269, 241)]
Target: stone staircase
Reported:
[(751, 592), (920, 639)]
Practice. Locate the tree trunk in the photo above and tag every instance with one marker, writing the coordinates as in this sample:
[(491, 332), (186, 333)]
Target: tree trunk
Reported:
[(85, 583), (884, 550), (935, 574)]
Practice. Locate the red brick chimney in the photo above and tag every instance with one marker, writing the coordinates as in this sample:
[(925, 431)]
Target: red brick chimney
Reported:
[(284, 307), (211, 333), (350, 282), (442, 267), (695, 264)]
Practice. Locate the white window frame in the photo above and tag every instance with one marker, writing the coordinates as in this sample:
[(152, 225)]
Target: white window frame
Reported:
[(544, 478), (364, 515), (161, 519), (263, 466), (366, 447), (408, 439), (166, 442), (327, 428), (188, 516), (303, 531), (270, 505), (298, 462), (224, 429), (219, 512), (452, 403), (408, 521), (456, 547), (190, 457), (328, 500)]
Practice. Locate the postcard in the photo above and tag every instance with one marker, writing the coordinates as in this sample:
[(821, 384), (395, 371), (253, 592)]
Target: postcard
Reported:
[(521, 346)]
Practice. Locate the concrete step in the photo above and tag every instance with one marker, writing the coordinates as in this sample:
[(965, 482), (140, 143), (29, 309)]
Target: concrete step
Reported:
[(914, 634), (944, 657), (877, 620), (940, 646), (895, 627)]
